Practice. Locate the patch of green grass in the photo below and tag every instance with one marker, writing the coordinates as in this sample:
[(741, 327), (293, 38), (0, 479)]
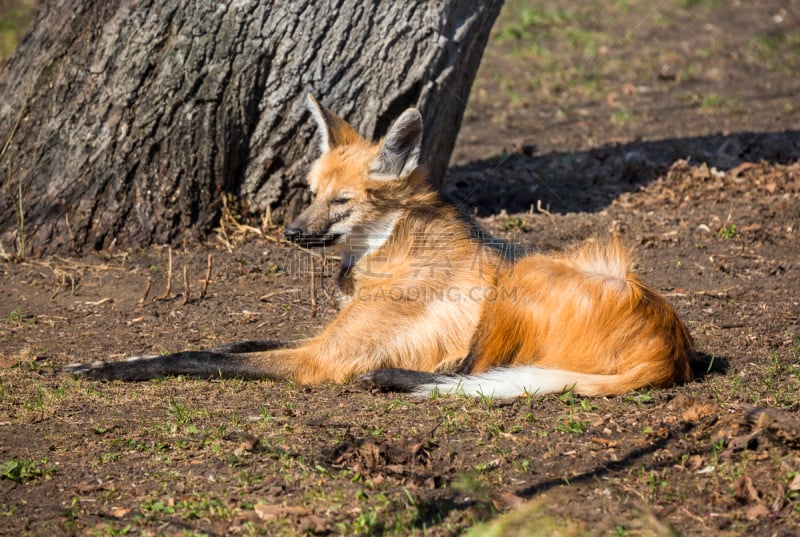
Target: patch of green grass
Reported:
[(727, 232), (513, 223), (14, 20), (621, 117), (194, 507), (528, 21), (25, 470), (684, 4), (381, 513), (369, 522), (772, 381), (780, 49), (571, 426), (711, 103), (17, 316), (112, 531), (639, 398), (44, 398), (567, 397), (181, 413), (530, 520), (583, 40), (539, 37)]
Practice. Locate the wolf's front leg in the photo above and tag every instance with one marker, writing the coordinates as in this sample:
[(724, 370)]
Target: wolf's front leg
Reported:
[(238, 362)]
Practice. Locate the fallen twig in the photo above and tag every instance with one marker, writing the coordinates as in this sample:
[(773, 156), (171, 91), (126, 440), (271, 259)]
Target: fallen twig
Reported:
[(146, 290), (264, 298), (99, 302)]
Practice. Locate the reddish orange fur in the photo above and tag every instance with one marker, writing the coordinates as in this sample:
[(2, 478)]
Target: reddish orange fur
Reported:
[(433, 297), (570, 312)]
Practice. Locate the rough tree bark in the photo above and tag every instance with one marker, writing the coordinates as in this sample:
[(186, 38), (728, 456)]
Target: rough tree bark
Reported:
[(138, 116)]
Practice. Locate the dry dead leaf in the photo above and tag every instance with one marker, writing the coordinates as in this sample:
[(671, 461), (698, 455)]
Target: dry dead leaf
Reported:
[(744, 490), (266, 511), (248, 445), (315, 524), (7, 362), (694, 462), (507, 500), (700, 172), (756, 511), (395, 468), (779, 497), (736, 170), (698, 411), (751, 227), (605, 442), (120, 512), (612, 99), (742, 442)]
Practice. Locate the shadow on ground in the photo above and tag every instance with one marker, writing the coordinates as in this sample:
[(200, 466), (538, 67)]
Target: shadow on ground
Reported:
[(587, 181)]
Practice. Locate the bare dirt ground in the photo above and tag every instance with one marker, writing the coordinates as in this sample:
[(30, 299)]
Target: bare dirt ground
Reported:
[(675, 126)]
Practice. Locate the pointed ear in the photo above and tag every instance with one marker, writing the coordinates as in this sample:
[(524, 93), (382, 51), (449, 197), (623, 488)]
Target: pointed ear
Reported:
[(333, 130), (399, 154)]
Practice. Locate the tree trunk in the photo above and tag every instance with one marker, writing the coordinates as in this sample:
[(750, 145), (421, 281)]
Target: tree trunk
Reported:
[(137, 117)]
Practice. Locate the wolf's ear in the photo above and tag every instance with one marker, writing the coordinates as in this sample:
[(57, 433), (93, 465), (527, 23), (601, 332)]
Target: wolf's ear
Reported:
[(399, 154), (333, 130)]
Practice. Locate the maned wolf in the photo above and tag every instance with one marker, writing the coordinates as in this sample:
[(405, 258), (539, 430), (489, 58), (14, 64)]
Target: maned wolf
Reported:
[(427, 306)]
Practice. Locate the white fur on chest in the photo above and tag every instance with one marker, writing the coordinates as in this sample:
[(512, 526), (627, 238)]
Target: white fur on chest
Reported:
[(364, 239)]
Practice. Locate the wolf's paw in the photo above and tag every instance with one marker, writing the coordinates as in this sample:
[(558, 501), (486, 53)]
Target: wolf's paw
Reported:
[(92, 370), (369, 381), (384, 380), (133, 368), (394, 380)]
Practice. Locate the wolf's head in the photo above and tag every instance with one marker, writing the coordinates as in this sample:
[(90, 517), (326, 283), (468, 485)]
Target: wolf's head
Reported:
[(357, 184)]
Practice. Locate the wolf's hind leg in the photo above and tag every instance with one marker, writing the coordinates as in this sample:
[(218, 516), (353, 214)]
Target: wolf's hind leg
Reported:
[(397, 380)]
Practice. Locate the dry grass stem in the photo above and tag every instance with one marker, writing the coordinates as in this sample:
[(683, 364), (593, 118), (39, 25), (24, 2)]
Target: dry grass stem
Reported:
[(17, 200), (207, 278), (313, 285), (545, 211), (185, 285), (230, 230), (168, 290)]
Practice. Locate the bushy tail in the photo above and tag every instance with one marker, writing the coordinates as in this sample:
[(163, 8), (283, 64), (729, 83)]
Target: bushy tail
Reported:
[(504, 383)]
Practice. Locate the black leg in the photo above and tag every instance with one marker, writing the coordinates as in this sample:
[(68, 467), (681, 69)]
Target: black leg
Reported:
[(250, 346), (397, 380), (202, 364)]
